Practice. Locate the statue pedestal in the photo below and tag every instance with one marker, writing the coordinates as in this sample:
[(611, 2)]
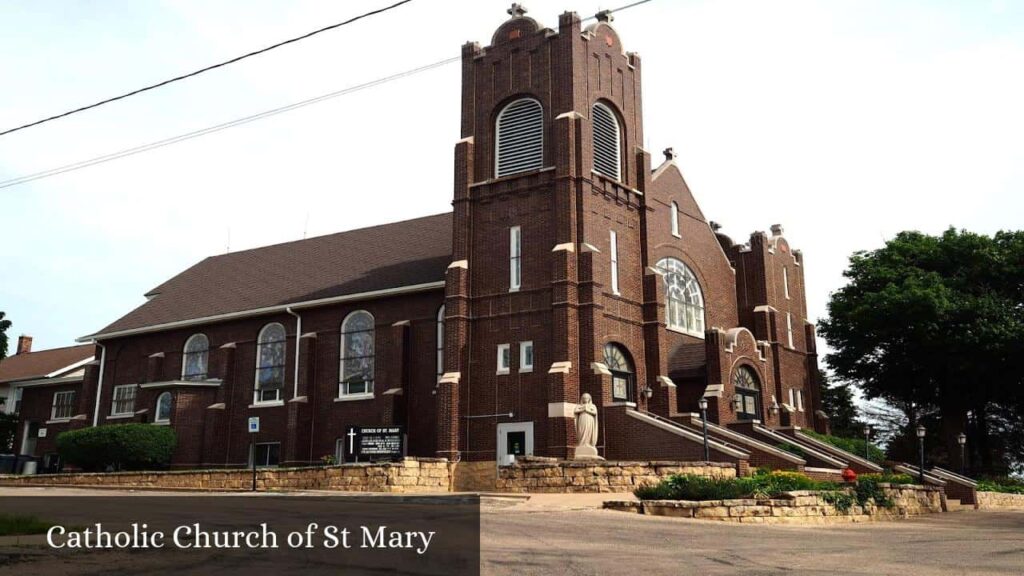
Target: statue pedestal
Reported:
[(586, 453)]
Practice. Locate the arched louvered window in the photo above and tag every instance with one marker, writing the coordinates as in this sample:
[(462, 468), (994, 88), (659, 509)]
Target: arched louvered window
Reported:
[(520, 138), (607, 142)]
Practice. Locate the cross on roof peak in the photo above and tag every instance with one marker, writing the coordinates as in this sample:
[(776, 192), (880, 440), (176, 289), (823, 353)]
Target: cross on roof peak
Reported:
[(517, 10)]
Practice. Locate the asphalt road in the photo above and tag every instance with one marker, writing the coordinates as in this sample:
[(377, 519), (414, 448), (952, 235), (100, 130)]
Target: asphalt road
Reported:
[(606, 542)]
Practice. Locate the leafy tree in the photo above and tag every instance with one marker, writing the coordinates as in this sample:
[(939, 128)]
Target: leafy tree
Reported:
[(4, 325), (933, 325), (837, 402)]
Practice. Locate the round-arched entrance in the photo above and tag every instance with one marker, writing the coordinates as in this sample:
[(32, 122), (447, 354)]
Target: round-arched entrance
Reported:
[(748, 391), (620, 364)]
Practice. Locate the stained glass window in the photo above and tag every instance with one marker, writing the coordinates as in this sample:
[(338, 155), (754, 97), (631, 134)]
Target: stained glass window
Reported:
[(195, 363), (270, 363), (618, 363), (357, 354), (163, 408), (684, 308)]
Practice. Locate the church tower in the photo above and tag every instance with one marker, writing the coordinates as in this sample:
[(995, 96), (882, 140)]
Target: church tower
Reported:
[(547, 296)]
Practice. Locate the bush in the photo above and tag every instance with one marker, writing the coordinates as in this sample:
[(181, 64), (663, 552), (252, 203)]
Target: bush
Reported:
[(8, 425), (765, 484), (762, 485), (1004, 484), (792, 449), (121, 446), (852, 445)]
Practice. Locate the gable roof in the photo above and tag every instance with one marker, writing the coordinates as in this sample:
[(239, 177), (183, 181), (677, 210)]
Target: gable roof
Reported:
[(401, 254), (35, 365)]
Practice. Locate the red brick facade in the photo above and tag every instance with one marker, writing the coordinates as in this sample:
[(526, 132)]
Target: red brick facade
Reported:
[(566, 305)]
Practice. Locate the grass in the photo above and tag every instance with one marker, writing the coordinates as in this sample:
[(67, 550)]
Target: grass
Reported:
[(21, 524)]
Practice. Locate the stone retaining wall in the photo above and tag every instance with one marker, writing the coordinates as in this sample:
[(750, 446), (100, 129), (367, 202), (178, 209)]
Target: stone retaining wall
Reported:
[(793, 507), (409, 475), (568, 476), (988, 500)]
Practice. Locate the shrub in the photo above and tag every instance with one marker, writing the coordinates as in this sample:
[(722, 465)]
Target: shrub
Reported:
[(890, 477), (1004, 484), (792, 449), (852, 445), (761, 485), (121, 446)]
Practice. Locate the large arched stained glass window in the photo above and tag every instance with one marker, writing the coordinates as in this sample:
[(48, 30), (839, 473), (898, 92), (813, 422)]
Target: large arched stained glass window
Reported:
[(357, 356), (519, 138), (270, 363), (196, 359), (749, 393), (684, 309)]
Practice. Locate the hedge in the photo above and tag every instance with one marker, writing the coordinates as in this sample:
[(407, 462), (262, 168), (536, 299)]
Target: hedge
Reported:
[(1004, 484), (119, 446)]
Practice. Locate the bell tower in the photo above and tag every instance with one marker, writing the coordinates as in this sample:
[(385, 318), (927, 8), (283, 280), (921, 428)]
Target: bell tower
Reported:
[(548, 254)]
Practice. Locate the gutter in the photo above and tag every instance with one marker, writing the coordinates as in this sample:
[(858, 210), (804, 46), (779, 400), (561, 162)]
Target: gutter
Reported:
[(265, 310), (298, 335), (99, 384)]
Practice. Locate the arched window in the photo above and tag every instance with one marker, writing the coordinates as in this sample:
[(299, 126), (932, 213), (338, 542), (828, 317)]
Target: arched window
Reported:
[(748, 391), (685, 307), (607, 143), (196, 359), (519, 138), (675, 219), (440, 341), (617, 360), (356, 354), (163, 408), (270, 363)]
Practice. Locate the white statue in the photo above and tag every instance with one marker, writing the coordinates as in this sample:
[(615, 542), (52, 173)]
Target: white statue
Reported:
[(586, 428)]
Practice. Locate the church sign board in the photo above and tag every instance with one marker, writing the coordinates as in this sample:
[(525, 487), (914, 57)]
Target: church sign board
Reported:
[(370, 443)]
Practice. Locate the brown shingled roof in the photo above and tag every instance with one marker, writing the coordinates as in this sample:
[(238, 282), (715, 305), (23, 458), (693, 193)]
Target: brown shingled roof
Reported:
[(380, 257), (34, 365)]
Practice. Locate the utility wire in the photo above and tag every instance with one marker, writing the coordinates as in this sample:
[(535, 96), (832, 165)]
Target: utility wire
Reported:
[(243, 120), (207, 69)]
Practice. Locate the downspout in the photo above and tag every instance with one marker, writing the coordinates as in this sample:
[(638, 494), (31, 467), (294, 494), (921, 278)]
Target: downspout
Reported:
[(298, 335), (99, 383)]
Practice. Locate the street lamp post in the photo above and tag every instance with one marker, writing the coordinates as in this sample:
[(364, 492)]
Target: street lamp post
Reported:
[(703, 404), (867, 442), (920, 441), (961, 439)]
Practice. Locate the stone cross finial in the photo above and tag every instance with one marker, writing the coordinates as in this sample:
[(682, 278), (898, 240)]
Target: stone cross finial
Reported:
[(604, 16), (670, 154), (517, 10)]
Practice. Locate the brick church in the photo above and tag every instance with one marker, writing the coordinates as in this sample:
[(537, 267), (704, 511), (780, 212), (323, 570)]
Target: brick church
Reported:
[(570, 264)]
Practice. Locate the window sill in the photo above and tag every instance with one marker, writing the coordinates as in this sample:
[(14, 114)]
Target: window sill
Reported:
[(162, 423), (267, 404), (625, 403), (526, 370), (677, 235), (684, 331), (58, 421), (502, 372), (516, 289), (354, 397), (120, 416)]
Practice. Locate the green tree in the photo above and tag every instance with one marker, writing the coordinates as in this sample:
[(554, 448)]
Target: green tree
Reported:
[(837, 402), (933, 325), (4, 325)]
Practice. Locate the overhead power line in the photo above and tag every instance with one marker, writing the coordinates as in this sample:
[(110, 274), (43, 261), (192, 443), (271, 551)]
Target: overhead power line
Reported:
[(245, 119), (207, 69)]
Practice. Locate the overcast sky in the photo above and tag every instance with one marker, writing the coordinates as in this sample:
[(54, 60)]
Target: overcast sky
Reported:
[(844, 121)]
